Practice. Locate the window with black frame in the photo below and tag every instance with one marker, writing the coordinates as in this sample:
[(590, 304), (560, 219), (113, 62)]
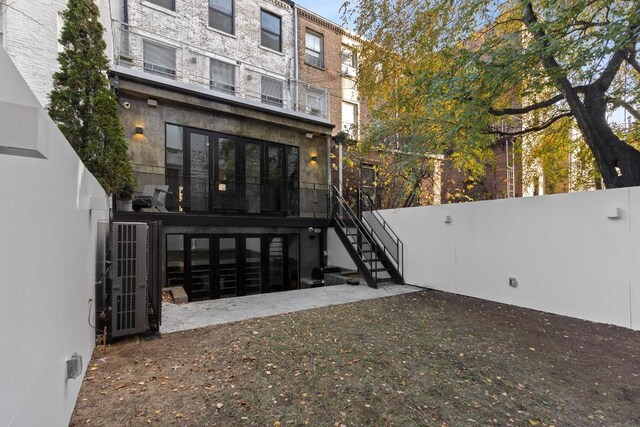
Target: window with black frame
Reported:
[(249, 176), (368, 179), (221, 15), (174, 173), (270, 31)]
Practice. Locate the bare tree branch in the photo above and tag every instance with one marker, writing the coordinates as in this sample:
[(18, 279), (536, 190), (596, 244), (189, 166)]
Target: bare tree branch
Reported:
[(531, 129), (538, 105), (511, 111), (627, 106)]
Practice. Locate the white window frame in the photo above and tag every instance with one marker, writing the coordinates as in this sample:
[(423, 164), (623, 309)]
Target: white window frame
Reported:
[(160, 71), (319, 96), (351, 128), (268, 99), (221, 86), (319, 53)]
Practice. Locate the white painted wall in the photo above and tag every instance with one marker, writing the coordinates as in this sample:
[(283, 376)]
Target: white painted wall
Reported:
[(47, 269), (567, 256), (336, 253)]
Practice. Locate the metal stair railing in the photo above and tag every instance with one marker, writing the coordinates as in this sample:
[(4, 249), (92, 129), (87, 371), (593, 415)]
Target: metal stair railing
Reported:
[(344, 210), (387, 238)]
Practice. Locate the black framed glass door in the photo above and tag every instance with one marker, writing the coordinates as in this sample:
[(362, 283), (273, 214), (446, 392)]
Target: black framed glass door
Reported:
[(225, 173), (219, 266), (229, 179), (198, 170), (273, 188)]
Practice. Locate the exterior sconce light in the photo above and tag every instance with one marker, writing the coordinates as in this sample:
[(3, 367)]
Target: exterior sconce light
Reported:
[(447, 219), (314, 158), (139, 130)]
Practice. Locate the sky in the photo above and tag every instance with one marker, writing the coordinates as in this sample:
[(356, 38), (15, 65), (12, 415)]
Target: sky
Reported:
[(329, 9)]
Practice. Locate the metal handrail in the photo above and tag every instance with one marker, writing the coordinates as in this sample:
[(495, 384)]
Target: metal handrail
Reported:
[(386, 227), (353, 217)]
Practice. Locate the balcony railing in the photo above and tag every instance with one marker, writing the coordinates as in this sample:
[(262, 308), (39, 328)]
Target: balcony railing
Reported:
[(195, 192), (174, 60)]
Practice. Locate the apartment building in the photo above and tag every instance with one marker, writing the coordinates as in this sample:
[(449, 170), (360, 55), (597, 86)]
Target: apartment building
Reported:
[(216, 117), (328, 57)]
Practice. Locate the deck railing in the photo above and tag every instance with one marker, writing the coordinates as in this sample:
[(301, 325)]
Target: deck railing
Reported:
[(196, 192)]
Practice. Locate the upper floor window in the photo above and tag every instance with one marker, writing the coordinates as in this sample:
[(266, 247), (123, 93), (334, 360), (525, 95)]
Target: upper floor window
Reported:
[(314, 51), (350, 118), (270, 31), (317, 102), (349, 61), (167, 4), (368, 178), (272, 91), (159, 59), (221, 15), (223, 76)]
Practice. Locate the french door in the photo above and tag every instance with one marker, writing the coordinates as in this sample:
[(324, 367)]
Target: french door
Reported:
[(220, 266), (224, 173)]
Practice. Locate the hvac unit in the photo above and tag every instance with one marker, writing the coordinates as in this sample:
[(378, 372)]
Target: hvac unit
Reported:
[(348, 71), (129, 278)]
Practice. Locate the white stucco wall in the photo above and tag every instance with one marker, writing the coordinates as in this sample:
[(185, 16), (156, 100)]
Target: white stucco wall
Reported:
[(566, 255), (31, 39), (336, 253), (47, 268)]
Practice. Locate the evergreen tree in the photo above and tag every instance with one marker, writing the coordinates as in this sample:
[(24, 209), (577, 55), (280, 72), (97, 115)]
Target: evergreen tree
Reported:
[(83, 104)]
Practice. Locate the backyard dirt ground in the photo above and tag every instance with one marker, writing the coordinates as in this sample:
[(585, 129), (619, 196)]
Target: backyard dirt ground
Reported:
[(426, 358)]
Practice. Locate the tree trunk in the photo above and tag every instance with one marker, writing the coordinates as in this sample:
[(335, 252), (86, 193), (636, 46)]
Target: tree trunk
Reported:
[(619, 163)]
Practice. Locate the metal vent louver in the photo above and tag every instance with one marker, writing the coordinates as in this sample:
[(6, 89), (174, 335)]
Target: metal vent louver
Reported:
[(129, 279)]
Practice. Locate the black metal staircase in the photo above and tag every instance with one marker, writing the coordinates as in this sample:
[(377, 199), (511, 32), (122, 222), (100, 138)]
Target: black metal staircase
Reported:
[(374, 247)]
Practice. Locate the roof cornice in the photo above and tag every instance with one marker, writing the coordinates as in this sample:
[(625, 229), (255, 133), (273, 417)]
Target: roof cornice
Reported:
[(317, 19)]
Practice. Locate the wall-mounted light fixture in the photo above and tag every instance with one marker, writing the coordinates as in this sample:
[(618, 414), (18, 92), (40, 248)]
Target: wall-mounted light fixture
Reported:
[(308, 135), (139, 130), (314, 158)]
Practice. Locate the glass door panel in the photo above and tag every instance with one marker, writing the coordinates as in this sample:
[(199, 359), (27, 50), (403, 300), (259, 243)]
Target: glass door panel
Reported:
[(252, 177), (227, 180), (293, 255), (276, 264), (274, 172), (175, 260), (293, 180), (253, 265), (199, 191), (200, 269), (227, 270)]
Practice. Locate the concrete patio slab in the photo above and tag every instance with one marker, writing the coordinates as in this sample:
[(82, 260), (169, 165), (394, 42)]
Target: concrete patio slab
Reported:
[(194, 315)]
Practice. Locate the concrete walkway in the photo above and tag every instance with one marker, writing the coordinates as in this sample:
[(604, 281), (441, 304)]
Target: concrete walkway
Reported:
[(194, 315)]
